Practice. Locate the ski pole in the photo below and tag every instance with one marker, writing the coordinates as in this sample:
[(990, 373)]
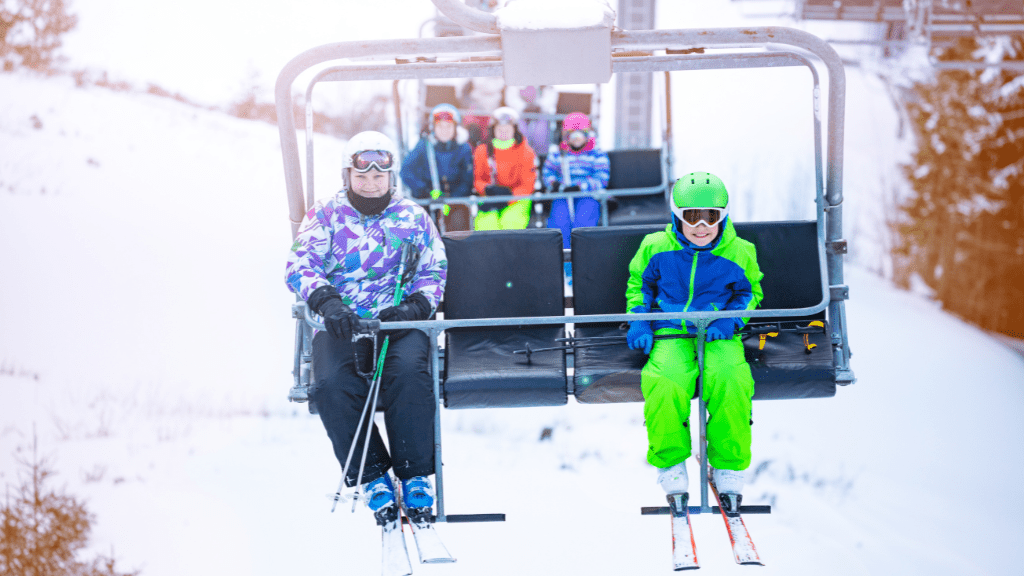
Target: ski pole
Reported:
[(613, 341), (372, 393), (351, 448)]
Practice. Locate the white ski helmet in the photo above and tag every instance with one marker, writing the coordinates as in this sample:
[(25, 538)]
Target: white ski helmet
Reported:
[(505, 115), (367, 150)]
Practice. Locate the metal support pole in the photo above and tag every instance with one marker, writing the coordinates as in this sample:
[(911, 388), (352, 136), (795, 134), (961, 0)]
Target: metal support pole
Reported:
[(435, 360), (705, 507)]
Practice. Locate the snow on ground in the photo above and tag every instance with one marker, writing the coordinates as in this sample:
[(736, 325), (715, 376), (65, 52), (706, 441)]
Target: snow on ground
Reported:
[(145, 338)]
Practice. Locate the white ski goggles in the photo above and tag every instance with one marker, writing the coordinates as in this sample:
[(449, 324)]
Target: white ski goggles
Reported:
[(694, 217)]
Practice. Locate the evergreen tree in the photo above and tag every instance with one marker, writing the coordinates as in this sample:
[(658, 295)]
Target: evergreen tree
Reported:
[(962, 230), (42, 530)]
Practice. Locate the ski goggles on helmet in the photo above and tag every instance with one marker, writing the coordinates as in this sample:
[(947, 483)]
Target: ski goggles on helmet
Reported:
[(708, 216), (382, 159), (444, 116)]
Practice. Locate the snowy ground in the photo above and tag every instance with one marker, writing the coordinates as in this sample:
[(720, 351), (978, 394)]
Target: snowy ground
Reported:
[(144, 336)]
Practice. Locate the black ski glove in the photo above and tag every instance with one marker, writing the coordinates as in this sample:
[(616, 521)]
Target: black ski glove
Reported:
[(414, 307), (554, 186), (573, 188), (339, 319), (495, 190)]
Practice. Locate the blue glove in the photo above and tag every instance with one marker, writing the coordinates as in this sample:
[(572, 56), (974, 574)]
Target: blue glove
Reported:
[(639, 336), (721, 329)]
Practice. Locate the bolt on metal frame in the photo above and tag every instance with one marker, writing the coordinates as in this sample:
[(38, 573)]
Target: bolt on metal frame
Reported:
[(480, 56)]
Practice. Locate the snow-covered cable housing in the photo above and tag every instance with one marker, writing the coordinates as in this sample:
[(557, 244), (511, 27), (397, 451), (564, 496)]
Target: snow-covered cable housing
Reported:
[(541, 14)]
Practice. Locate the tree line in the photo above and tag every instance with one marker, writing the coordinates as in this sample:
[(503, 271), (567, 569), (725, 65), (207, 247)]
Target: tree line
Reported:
[(961, 229)]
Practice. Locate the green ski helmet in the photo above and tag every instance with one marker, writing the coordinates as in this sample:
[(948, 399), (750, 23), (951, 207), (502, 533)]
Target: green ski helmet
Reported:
[(700, 190)]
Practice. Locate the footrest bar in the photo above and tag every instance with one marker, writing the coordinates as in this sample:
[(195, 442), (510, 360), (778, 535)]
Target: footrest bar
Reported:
[(455, 518), (752, 509)]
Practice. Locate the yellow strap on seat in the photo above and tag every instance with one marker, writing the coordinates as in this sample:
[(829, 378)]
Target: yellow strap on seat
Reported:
[(808, 346), (762, 337)]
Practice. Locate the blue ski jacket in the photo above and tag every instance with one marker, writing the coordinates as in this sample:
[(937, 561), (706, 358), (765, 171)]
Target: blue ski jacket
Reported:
[(670, 274), (454, 162)]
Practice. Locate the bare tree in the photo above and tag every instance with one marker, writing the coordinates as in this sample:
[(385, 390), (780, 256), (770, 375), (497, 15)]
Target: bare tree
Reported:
[(31, 30)]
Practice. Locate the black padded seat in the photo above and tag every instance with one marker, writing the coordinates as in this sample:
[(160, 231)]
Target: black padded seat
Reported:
[(639, 168), (504, 274), (783, 369)]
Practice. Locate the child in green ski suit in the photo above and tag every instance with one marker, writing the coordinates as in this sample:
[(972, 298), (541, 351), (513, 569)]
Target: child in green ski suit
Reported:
[(696, 264)]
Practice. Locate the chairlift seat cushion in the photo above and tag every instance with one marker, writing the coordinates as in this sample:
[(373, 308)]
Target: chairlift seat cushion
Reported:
[(787, 254), (504, 274), (484, 372), (637, 169)]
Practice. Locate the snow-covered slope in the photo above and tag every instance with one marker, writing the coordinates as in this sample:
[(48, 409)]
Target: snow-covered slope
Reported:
[(144, 336)]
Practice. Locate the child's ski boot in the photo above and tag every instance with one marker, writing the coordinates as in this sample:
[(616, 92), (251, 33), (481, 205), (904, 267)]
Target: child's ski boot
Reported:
[(673, 480)]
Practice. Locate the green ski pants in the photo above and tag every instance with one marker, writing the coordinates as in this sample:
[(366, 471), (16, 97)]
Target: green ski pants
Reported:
[(515, 216), (668, 381)]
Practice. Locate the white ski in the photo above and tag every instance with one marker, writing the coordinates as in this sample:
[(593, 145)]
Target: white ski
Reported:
[(395, 561), (742, 545), (428, 544), (684, 547)]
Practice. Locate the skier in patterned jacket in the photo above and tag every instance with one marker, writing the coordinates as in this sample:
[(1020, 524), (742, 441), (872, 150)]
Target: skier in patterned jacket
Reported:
[(345, 265), (576, 164), (696, 264)]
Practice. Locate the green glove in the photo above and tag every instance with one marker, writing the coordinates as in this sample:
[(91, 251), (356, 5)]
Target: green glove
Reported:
[(435, 194)]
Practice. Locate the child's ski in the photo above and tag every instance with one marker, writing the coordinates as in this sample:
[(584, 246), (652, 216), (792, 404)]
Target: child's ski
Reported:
[(684, 547), (395, 560), (742, 546)]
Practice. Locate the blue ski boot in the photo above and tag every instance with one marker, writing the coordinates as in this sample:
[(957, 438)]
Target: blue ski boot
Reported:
[(418, 498), (380, 498)]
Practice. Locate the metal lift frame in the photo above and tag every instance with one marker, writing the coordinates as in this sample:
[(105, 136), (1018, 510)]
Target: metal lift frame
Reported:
[(669, 50)]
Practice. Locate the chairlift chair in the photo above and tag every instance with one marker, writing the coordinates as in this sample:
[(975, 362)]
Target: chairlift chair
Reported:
[(660, 50)]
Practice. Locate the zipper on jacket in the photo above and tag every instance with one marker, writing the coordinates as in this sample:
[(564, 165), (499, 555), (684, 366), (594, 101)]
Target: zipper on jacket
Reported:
[(693, 275)]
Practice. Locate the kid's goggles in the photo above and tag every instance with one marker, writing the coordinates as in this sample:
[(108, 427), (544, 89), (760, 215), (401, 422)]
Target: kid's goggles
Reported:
[(444, 116), (382, 159), (572, 133), (709, 216)]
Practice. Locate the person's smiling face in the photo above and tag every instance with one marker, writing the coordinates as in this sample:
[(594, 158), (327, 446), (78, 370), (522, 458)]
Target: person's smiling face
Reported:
[(701, 234), (371, 184)]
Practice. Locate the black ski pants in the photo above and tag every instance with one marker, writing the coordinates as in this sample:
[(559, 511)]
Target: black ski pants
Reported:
[(406, 394)]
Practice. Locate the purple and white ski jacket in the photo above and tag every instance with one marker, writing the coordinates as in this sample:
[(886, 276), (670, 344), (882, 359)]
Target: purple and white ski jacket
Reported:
[(360, 254)]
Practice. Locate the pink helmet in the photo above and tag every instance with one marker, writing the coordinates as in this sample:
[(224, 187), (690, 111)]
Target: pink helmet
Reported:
[(576, 121)]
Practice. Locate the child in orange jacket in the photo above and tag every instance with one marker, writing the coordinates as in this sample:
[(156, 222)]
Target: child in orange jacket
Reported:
[(503, 165)]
